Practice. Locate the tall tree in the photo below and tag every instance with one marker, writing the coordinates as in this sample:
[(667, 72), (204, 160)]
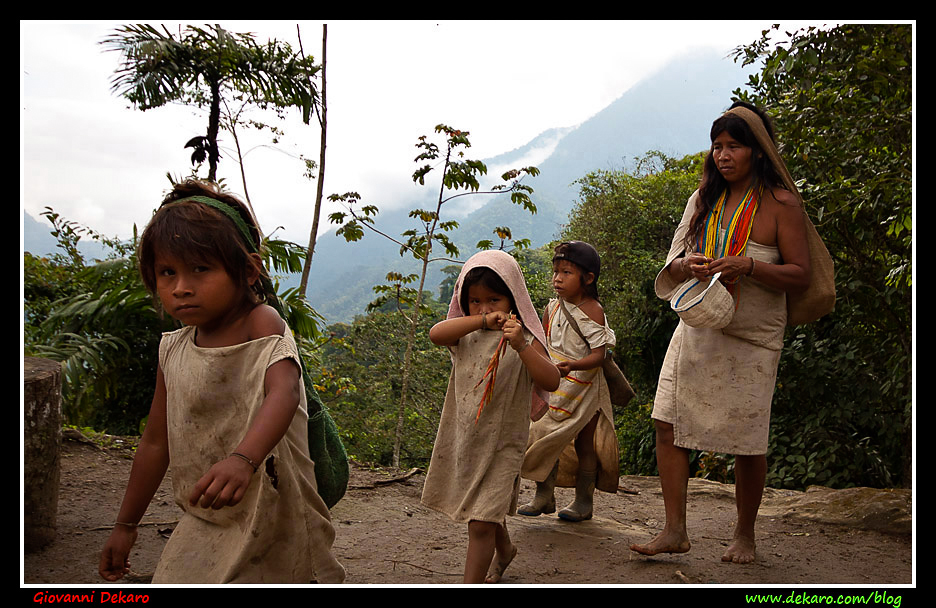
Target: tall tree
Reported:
[(320, 185), (199, 66), (458, 173)]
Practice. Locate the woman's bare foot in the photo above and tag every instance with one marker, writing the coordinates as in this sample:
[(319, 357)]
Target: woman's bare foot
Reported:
[(500, 564), (740, 551), (665, 542)]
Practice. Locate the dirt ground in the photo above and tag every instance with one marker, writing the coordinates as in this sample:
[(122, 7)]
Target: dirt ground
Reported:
[(385, 536)]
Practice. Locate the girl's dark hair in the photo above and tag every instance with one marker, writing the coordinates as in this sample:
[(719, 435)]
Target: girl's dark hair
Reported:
[(195, 231), (486, 277), (713, 184)]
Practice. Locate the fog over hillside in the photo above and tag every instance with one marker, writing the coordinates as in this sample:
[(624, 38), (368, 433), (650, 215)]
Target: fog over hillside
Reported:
[(670, 111)]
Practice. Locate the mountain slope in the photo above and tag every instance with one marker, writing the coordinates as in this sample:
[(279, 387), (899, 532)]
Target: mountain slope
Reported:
[(671, 111)]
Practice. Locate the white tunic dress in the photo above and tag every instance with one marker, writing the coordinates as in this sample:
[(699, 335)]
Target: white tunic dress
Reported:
[(474, 473), (580, 395), (716, 385), (281, 531)]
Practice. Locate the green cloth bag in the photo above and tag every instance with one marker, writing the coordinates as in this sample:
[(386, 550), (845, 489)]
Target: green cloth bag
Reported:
[(325, 449)]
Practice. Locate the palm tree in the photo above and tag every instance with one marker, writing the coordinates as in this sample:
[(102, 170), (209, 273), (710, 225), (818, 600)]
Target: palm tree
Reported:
[(198, 66)]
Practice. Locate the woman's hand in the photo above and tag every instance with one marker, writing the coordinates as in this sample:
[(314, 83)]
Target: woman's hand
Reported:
[(224, 485), (693, 265), (731, 267), (564, 368)]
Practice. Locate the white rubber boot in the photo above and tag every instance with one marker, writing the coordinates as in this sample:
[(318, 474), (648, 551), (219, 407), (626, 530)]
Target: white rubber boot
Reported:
[(544, 501), (581, 507)]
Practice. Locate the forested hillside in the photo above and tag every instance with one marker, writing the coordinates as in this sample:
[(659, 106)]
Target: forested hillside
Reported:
[(667, 111)]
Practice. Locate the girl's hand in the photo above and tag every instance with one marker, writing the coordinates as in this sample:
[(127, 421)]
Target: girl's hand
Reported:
[(513, 331), (224, 485), (564, 368), (115, 558), (495, 320)]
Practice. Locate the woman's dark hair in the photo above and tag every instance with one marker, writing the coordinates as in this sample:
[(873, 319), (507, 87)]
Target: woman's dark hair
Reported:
[(195, 231), (486, 277), (713, 183)]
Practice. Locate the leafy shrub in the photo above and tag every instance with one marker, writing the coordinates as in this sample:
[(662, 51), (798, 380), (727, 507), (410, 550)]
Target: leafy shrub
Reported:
[(367, 356)]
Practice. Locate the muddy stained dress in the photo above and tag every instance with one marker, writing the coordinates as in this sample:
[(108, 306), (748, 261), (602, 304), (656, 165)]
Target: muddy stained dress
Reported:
[(580, 395), (716, 385), (281, 531), (474, 473)]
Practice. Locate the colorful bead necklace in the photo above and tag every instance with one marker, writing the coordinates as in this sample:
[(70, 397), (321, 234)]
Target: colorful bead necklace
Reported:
[(736, 233)]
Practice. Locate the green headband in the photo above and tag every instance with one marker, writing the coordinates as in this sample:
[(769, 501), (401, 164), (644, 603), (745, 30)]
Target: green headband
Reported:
[(231, 213), (234, 216)]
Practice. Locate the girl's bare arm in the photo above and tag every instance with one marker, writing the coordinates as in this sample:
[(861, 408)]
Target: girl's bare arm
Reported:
[(542, 370), (149, 467), (595, 312), (448, 332)]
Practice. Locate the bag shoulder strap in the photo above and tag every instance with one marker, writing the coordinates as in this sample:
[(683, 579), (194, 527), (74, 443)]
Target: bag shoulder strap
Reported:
[(573, 324)]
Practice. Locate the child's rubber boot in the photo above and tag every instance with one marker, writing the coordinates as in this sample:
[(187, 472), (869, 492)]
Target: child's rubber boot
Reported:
[(581, 507), (544, 501)]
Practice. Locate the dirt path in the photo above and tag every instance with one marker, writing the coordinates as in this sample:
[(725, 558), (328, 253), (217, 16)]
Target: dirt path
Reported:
[(385, 536)]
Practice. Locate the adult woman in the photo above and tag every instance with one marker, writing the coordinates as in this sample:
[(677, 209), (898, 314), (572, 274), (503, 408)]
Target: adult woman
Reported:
[(746, 221)]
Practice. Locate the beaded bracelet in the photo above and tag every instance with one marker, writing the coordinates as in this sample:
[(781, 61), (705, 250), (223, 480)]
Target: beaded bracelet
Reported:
[(126, 523), (245, 459)]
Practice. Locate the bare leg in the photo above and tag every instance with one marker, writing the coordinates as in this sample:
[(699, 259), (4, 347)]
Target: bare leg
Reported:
[(484, 539), (480, 550), (504, 554), (585, 446), (673, 463), (750, 477)]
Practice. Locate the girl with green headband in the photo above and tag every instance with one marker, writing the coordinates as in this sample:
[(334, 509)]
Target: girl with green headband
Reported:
[(229, 413)]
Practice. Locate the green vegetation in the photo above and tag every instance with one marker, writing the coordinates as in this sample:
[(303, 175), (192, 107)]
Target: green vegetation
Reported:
[(99, 322), (630, 219), (842, 106), (362, 370), (204, 67), (458, 173), (841, 100)]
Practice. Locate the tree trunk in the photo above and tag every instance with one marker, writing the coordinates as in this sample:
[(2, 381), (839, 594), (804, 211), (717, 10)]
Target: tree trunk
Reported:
[(240, 160), (407, 358), (310, 251), (42, 440), (214, 120), (407, 365)]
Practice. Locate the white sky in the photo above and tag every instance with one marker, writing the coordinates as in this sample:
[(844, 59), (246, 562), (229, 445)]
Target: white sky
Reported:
[(96, 161)]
